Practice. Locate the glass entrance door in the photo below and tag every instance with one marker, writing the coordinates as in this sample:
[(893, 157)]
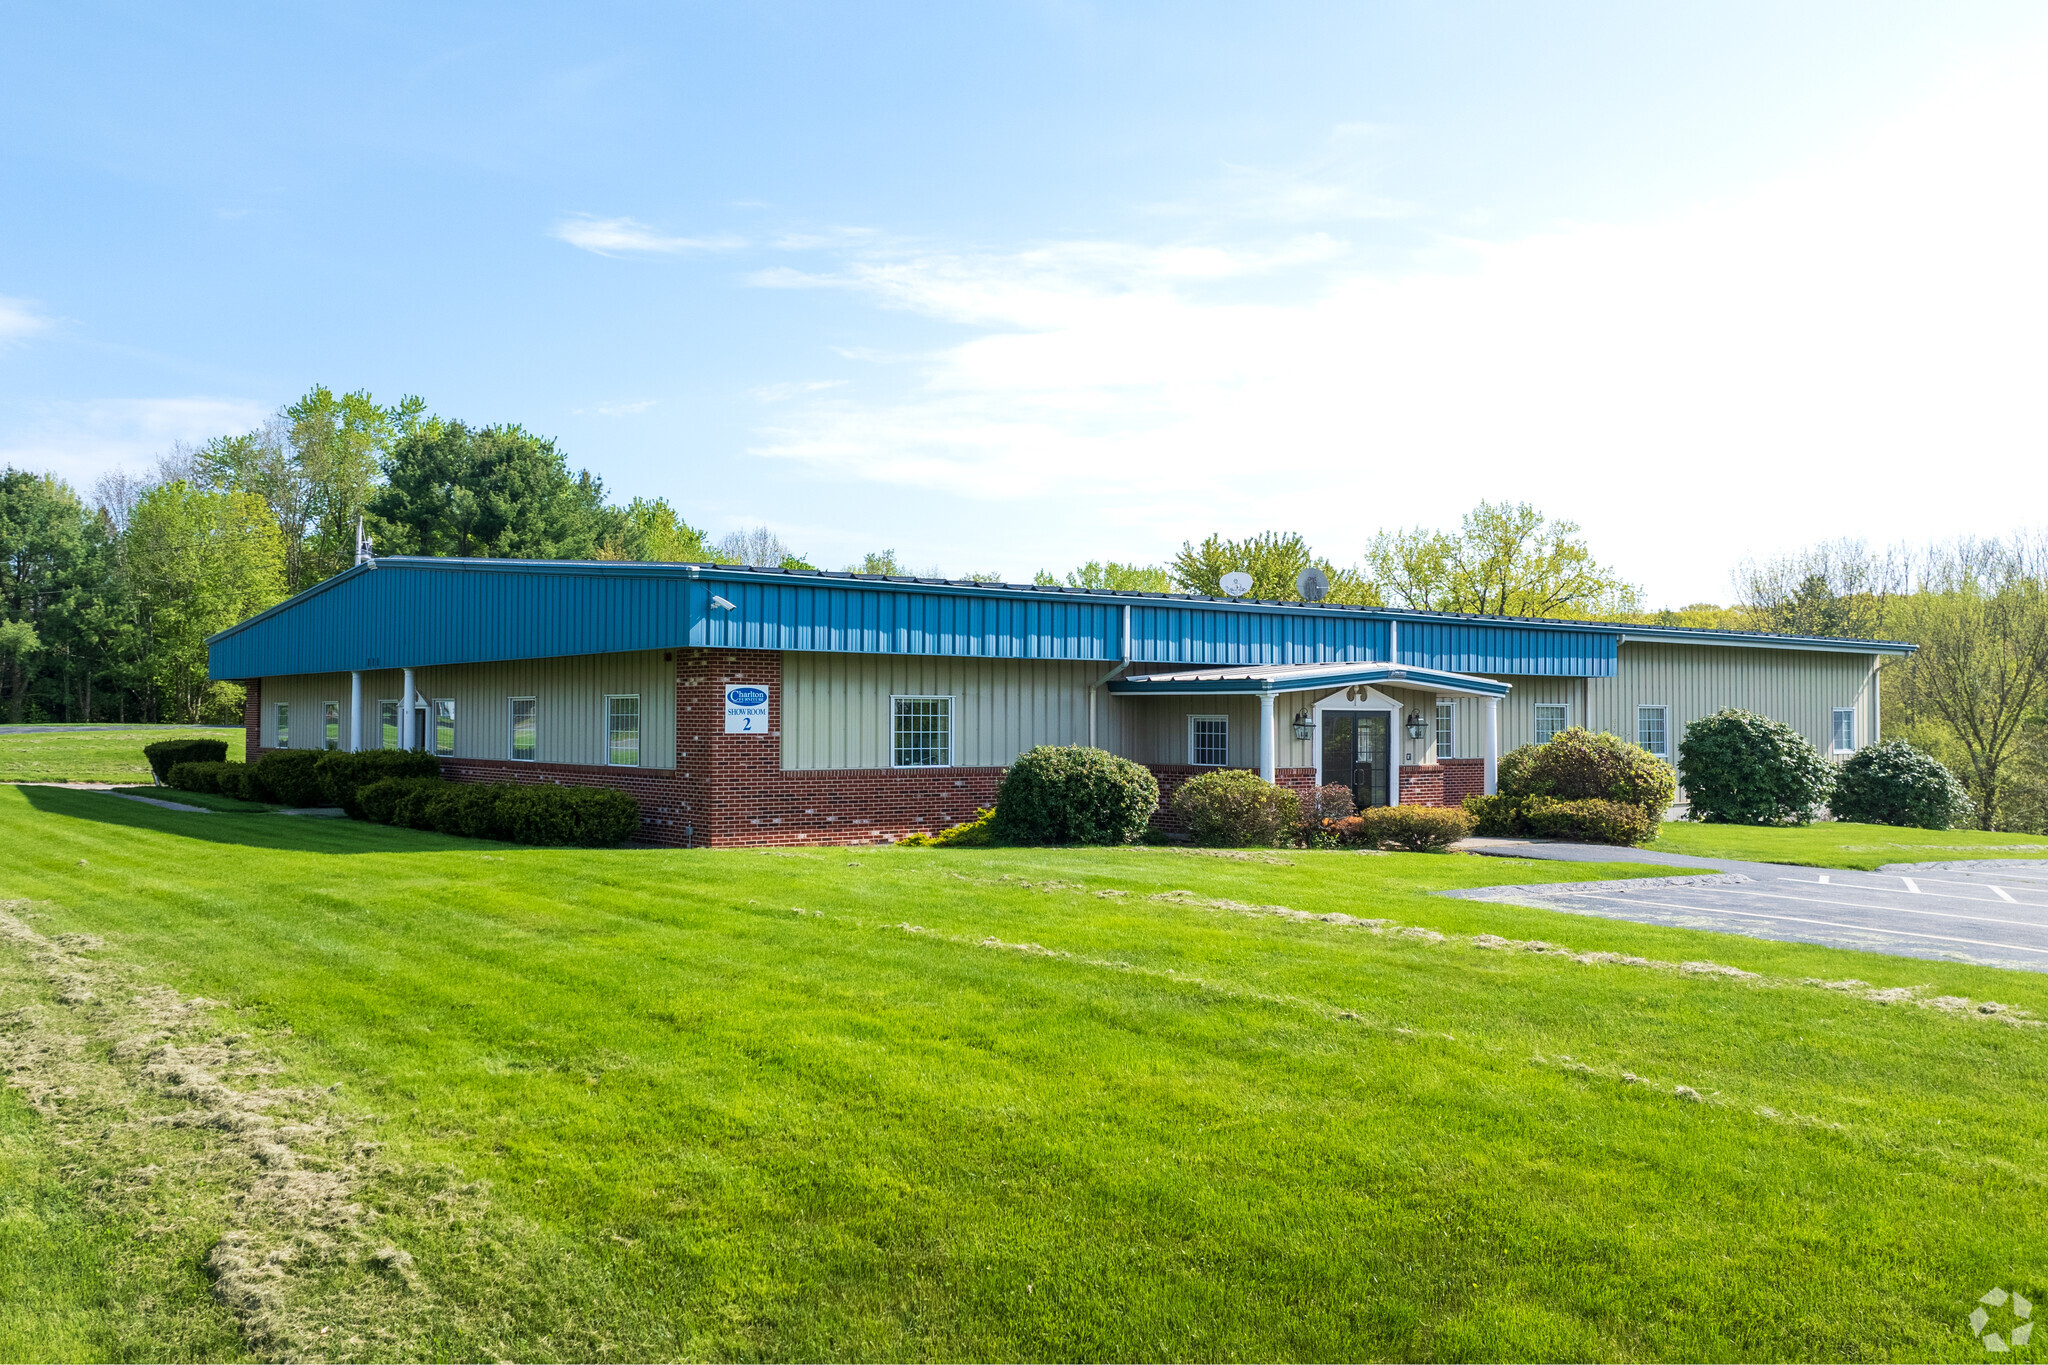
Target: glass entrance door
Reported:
[(1357, 747)]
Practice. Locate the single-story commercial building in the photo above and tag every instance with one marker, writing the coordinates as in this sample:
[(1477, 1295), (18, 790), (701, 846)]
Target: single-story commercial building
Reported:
[(767, 706)]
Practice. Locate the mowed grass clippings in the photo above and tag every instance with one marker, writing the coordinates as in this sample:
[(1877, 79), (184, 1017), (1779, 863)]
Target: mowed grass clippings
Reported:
[(82, 755), (1827, 843), (893, 1103)]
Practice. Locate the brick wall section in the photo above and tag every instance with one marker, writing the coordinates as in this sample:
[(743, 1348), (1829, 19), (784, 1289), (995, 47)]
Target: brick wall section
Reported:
[(1422, 785), (730, 791), (252, 720), (1463, 777)]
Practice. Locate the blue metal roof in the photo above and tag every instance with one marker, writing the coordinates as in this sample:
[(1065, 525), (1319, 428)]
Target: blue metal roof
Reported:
[(1300, 677), (416, 612)]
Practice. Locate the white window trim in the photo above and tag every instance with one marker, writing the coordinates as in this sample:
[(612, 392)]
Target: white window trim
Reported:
[(1563, 706), (1226, 741), (639, 730), (1434, 744), (511, 749), (1665, 707), (952, 728), (1835, 714)]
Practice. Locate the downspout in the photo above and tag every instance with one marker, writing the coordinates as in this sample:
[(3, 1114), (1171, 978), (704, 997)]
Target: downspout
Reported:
[(1393, 641)]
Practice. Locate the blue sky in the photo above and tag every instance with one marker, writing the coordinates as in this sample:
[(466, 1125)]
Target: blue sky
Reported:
[(1013, 286)]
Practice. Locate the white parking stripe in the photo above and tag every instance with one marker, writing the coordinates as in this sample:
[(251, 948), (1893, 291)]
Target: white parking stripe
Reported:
[(1827, 924), (1882, 909), (2003, 895), (1911, 885), (1894, 891)]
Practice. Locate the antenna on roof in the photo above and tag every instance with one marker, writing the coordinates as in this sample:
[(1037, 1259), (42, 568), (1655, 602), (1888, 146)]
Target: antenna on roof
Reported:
[(1236, 584), (1313, 584), (363, 555)]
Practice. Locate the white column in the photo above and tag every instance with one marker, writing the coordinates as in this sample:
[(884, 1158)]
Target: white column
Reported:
[(1492, 746), (1268, 741), (405, 714), (355, 712)]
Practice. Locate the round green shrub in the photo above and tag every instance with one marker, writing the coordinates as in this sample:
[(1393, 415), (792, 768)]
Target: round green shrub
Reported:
[(1588, 765), (1740, 768), (1589, 821), (1072, 794), (1894, 783), (1495, 817), (200, 776), (1233, 808), (1414, 829)]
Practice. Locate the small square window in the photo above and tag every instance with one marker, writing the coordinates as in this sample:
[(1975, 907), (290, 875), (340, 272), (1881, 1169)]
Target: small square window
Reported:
[(923, 731), (1845, 729), (1446, 729), (387, 722), (1208, 741), (444, 726), (622, 731), (284, 725), (1652, 730), (1549, 720), (525, 728)]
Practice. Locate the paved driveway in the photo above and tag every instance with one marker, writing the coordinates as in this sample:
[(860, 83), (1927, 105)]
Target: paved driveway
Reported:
[(1991, 912)]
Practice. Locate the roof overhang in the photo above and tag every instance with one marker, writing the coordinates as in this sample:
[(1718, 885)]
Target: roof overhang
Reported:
[(1301, 678)]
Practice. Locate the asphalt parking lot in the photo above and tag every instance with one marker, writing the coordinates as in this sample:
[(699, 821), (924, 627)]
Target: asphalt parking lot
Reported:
[(1990, 912)]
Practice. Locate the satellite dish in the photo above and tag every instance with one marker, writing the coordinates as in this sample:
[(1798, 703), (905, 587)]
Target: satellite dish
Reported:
[(1236, 584), (1312, 584)]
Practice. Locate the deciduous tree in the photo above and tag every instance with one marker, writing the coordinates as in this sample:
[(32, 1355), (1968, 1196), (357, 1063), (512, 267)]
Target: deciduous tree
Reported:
[(1274, 559), (1505, 559)]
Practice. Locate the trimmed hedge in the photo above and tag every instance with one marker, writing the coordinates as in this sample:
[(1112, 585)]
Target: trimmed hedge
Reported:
[(1413, 829), (1740, 768), (291, 777), (1591, 821), (202, 775), (1589, 765), (586, 817), (1072, 794), (343, 774), (239, 780), (1236, 807), (167, 754), (1894, 783)]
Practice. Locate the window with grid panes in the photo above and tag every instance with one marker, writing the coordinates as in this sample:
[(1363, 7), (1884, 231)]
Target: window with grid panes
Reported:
[(1208, 741), (1652, 730), (1845, 729), (284, 725), (525, 728), (1549, 720), (622, 731), (1446, 729), (922, 731), (444, 726)]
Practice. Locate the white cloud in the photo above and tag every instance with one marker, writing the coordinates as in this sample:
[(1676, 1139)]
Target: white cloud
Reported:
[(80, 441), (624, 236), (1853, 349), (18, 319)]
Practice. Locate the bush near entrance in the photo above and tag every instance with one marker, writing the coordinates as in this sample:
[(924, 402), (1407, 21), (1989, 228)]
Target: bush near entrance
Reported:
[(1740, 768), (1073, 794), (1894, 783), (1582, 785), (1233, 807), (1411, 829)]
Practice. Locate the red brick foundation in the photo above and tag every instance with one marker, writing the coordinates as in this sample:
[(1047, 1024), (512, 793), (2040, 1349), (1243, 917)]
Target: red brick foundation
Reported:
[(1463, 777)]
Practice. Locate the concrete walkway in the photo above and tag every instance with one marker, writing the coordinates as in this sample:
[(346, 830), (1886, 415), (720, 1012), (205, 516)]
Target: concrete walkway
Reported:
[(1990, 912)]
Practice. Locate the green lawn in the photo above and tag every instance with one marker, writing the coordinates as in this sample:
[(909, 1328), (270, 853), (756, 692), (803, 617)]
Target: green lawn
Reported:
[(82, 755), (897, 1103), (1829, 844)]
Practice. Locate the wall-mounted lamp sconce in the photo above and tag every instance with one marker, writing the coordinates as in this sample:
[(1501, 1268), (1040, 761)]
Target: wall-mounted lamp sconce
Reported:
[(1303, 728), (1416, 728), (723, 605)]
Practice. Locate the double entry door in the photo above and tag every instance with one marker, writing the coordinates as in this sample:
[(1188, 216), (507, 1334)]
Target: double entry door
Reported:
[(1357, 748)]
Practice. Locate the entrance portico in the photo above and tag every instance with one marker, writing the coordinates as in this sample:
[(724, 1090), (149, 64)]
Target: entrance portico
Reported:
[(1351, 727)]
